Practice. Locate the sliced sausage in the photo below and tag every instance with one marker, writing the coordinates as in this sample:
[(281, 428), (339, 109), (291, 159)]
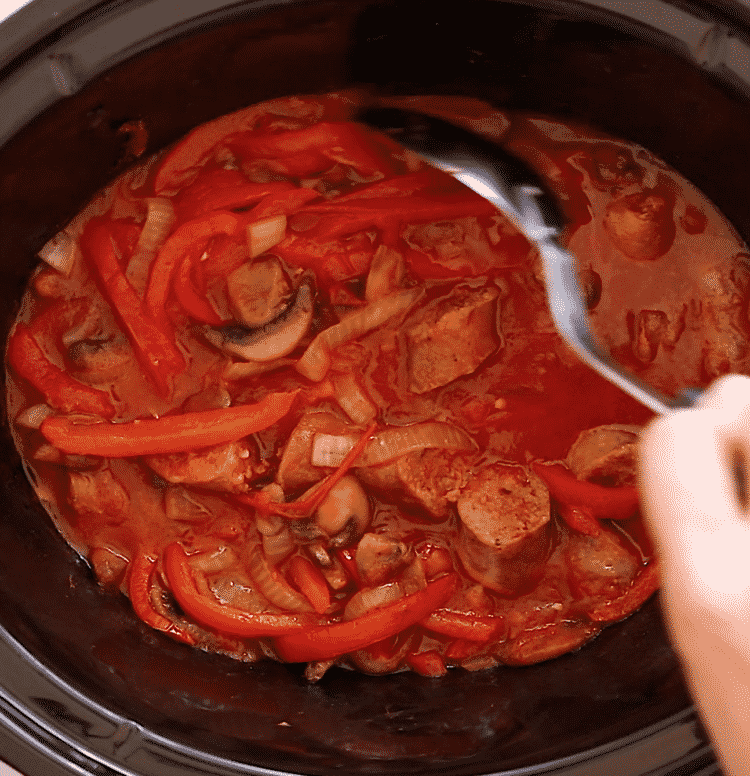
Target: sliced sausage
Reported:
[(505, 530), (450, 337), (600, 567), (606, 455), (227, 467)]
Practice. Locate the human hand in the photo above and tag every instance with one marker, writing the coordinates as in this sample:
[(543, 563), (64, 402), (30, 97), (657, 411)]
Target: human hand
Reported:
[(700, 522)]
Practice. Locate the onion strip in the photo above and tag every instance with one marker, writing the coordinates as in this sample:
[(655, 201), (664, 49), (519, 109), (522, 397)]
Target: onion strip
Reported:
[(262, 235), (370, 598), (315, 361), (273, 586), (159, 222), (394, 442), (352, 398), (386, 273), (59, 252)]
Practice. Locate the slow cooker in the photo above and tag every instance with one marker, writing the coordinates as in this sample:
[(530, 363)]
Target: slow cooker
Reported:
[(85, 688)]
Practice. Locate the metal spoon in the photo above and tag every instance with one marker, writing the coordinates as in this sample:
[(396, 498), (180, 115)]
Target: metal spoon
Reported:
[(518, 192)]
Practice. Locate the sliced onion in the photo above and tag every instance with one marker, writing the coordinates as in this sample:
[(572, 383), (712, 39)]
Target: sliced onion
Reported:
[(264, 234), (273, 586), (278, 546), (91, 327), (59, 252), (240, 370), (214, 560), (180, 505), (389, 444), (160, 219), (372, 598), (414, 578), (32, 417), (315, 361), (386, 273), (352, 398), (330, 449), (62, 251), (394, 442), (48, 453)]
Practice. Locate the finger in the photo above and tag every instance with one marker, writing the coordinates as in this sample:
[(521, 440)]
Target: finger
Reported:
[(730, 393), (729, 397), (690, 500)]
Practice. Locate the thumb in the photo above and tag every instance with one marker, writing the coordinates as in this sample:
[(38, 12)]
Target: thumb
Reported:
[(690, 496)]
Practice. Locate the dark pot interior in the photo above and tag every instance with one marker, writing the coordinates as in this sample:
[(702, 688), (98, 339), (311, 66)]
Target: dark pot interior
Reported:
[(82, 683)]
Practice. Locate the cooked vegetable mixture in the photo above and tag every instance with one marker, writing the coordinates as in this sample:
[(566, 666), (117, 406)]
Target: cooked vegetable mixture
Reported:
[(298, 395)]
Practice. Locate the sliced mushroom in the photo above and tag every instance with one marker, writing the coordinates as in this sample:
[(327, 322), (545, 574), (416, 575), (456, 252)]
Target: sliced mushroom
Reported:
[(345, 509), (273, 340), (378, 557), (258, 292), (101, 361)]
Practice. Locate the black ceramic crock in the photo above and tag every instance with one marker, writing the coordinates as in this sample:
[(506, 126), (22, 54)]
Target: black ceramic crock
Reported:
[(87, 689)]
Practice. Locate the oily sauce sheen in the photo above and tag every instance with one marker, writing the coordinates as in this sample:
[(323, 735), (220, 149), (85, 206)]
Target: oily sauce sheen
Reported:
[(299, 396)]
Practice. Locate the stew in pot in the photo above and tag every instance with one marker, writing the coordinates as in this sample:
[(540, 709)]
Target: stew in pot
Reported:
[(299, 396)]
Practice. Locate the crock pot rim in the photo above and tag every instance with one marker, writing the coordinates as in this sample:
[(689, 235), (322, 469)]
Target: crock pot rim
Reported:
[(227, 10), (30, 728)]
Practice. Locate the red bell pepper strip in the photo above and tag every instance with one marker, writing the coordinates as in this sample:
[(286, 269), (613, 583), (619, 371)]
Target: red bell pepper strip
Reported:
[(197, 147), (283, 203), (429, 663), (580, 519), (306, 505), (60, 390), (152, 344), (168, 434), (223, 190), (189, 239), (460, 649), (402, 186), (311, 583), (191, 302), (617, 503), (465, 626), (644, 586), (139, 591), (329, 641), (418, 207), (225, 255), (301, 166), (331, 262), (339, 219), (220, 617), (346, 558), (340, 142)]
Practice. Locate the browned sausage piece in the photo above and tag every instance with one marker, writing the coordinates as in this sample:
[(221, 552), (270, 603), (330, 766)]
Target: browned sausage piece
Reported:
[(505, 528), (605, 454), (450, 337), (601, 567), (228, 467)]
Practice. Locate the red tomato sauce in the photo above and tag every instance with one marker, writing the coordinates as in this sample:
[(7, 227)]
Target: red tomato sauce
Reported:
[(299, 396)]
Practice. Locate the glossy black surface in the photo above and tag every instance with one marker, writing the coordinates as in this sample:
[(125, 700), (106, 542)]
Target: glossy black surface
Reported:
[(113, 695)]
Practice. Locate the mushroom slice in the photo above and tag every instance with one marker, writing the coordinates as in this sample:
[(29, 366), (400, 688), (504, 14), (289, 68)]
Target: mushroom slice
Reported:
[(258, 292), (275, 339)]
